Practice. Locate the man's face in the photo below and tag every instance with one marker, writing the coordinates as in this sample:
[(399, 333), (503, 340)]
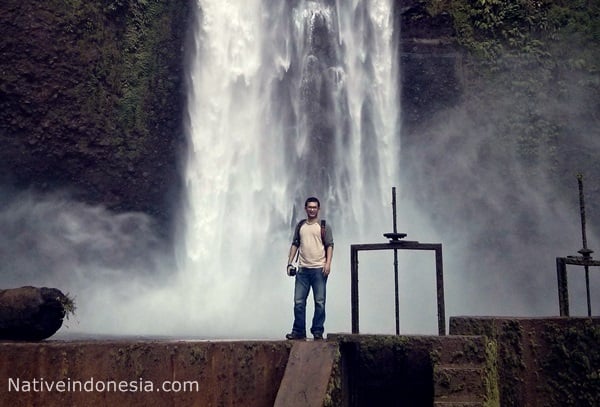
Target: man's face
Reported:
[(312, 210)]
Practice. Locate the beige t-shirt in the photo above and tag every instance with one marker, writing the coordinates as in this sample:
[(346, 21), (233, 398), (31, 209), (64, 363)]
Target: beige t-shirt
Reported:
[(312, 251)]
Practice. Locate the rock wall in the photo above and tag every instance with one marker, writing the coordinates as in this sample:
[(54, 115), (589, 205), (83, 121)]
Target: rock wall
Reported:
[(430, 61), (91, 101)]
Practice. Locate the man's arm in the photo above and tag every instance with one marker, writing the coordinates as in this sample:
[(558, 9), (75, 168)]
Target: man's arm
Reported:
[(328, 249), (291, 256), (328, 258)]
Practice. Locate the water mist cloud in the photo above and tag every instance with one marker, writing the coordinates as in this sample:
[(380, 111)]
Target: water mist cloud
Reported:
[(495, 198), (101, 258)]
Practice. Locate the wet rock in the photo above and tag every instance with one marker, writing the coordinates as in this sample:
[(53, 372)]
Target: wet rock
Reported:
[(32, 313)]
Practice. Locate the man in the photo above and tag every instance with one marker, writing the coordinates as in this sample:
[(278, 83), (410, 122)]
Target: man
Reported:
[(313, 239)]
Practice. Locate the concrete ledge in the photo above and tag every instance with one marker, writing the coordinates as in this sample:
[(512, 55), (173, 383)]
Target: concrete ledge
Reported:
[(493, 361), (194, 373)]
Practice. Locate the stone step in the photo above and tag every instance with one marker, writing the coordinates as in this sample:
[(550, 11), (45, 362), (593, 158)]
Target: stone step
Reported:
[(307, 374), (459, 384), (462, 350)]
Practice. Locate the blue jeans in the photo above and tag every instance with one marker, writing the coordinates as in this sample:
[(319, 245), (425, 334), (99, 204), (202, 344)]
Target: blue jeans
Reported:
[(306, 279)]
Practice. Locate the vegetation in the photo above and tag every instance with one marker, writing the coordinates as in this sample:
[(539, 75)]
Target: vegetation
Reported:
[(92, 100), (536, 29), (538, 63), (68, 304)]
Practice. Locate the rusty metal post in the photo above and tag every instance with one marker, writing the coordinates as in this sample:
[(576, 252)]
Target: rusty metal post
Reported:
[(354, 288), (396, 291), (563, 290), (585, 252), (439, 275)]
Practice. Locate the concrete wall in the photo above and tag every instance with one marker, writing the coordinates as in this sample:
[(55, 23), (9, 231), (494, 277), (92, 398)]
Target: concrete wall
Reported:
[(345, 370), (485, 362), (212, 373), (417, 371), (551, 361)]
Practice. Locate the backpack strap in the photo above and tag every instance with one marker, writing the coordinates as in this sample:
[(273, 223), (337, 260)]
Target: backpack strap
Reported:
[(323, 233), (296, 238)]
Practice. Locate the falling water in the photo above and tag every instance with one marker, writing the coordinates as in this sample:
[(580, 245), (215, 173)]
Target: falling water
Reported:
[(289, 99)]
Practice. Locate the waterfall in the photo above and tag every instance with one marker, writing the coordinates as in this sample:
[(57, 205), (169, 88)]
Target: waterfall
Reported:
[(294, 98), (289, 99)]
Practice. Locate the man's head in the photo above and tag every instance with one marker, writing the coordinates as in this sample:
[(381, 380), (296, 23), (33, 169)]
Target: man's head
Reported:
[(312, 206), (313, 200)]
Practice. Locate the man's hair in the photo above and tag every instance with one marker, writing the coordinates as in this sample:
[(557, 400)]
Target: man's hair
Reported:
[(312, 199)]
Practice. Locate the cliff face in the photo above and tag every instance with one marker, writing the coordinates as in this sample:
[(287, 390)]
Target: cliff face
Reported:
[(91, 101), (499, 108)]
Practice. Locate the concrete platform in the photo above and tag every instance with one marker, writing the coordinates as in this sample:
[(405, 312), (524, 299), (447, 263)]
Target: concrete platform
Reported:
[(485, 361)]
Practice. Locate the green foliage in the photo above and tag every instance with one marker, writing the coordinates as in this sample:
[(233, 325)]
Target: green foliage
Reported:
[(68, 305), (492, 28), (141, 48), (528, 58), (124, 46)]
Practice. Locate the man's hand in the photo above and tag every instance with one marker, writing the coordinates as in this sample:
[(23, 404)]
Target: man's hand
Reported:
[(326, 269), (291, 270)]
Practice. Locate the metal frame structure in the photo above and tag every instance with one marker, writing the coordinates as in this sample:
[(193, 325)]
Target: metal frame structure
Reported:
[(584, 260), (395, 244), (563, 288)]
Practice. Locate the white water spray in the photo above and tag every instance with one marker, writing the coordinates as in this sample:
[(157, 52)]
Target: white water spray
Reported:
[(288, 101)]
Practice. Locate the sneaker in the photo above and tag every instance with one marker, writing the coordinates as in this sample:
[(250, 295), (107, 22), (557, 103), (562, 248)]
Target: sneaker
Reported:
[(318, 337), (294, 336)]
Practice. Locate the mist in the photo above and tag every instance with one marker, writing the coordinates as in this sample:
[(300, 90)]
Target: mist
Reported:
[(259, 115), (101, 259), (506, 203)]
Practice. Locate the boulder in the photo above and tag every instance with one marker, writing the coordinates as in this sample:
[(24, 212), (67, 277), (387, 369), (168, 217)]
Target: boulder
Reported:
[(32, 313)]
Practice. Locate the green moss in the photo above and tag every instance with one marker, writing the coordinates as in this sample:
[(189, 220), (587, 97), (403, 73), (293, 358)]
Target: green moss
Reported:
[(491, 379), (510, 352), (572, 365), (333, 395), (435, 356), (198, 354)]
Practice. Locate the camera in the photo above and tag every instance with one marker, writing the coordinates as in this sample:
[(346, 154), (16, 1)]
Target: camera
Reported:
[(292, 270)]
